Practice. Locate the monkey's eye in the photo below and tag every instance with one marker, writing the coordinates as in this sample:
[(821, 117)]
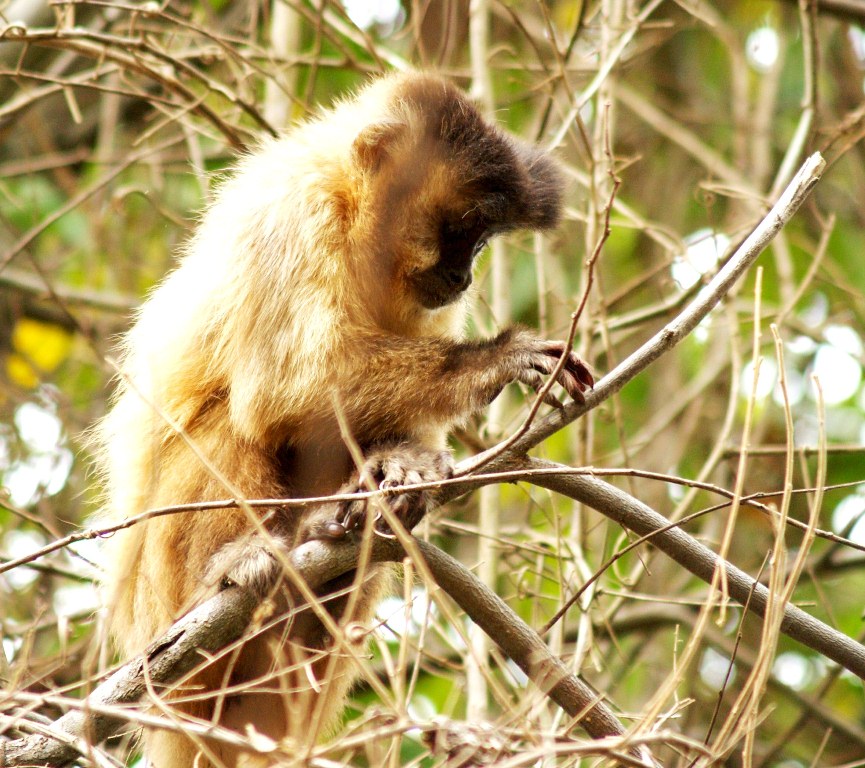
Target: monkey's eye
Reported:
[(468, 236)]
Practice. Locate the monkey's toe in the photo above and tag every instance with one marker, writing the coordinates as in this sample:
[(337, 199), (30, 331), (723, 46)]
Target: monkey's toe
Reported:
[(252, 563), (390, 469), (326, 524)]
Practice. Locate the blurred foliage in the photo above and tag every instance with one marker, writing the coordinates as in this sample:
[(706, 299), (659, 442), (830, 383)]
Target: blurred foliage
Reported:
[(115, 122)]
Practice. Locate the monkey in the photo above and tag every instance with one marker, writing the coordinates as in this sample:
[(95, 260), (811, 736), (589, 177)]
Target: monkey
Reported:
[(320, 301)]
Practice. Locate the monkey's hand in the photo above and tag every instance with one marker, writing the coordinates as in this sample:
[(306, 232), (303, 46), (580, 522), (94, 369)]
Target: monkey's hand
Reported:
[(533, 358), (386, 468), (251, 562)]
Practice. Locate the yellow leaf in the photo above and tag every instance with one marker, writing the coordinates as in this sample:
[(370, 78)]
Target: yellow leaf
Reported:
[(20, 372), (42, 344)]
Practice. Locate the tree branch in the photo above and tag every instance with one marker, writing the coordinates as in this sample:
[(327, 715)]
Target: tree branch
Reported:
[(852, 10), (700, 560), (224, 618)]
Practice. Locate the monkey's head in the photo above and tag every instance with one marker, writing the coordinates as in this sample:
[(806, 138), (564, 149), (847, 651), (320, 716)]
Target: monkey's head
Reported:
[(441, 182)]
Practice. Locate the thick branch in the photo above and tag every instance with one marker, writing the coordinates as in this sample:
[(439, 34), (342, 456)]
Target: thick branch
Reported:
[(702, 562), (207, 629), (521, 643)]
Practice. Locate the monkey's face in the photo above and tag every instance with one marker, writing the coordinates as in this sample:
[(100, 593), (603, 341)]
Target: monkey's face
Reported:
[(444, 208), (429, 223), (440, 181)]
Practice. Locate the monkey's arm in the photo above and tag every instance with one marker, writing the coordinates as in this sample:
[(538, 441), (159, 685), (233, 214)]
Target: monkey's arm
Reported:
[(404, 384)]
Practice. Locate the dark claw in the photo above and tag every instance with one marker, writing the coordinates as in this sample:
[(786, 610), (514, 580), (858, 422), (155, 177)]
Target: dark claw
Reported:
[(579, 370), (353, 515)]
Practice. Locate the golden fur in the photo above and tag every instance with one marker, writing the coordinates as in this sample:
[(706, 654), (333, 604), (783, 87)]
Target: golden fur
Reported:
[(314, 282)]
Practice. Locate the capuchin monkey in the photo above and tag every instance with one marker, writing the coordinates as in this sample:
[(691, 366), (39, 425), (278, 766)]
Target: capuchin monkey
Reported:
[(321, 302)]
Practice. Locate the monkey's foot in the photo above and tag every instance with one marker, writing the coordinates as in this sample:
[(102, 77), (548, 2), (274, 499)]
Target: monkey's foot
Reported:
[(386, 468), (539, 357), (251, 562)]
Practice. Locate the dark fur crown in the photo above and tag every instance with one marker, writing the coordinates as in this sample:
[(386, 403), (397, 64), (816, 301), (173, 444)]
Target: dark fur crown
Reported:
[(520, 185)]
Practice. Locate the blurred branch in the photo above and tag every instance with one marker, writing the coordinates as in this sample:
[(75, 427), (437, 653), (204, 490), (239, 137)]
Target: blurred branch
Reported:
[(29, 283), (712, 160), (24, 242), (136, 55), (642, 618), (852, 10)]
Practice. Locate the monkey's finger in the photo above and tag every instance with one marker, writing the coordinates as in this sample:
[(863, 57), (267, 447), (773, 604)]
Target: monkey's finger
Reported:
[(536, 382), (571, 383), (551, 399), (402, 504), (554, 349), (352, 514), (444, 465), (542, 364), (409, 509), (413, 477), (572, 386), (576, 378), (400, 468), (533, 379), (574, 363), (546, 365), (371, 474), (581, 371)]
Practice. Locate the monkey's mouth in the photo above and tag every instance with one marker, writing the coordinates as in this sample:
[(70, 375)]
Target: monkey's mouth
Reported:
[(434, 291), (437, 300)]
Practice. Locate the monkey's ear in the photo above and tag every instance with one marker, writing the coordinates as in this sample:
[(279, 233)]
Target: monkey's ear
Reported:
[(375, 143)]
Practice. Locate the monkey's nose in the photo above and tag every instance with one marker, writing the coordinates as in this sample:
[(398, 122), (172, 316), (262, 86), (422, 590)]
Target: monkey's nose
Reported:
[(459, 280)]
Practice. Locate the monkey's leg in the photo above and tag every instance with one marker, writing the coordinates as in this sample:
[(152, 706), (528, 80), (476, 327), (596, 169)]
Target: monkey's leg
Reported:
[(386, 467), (282, 680)]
